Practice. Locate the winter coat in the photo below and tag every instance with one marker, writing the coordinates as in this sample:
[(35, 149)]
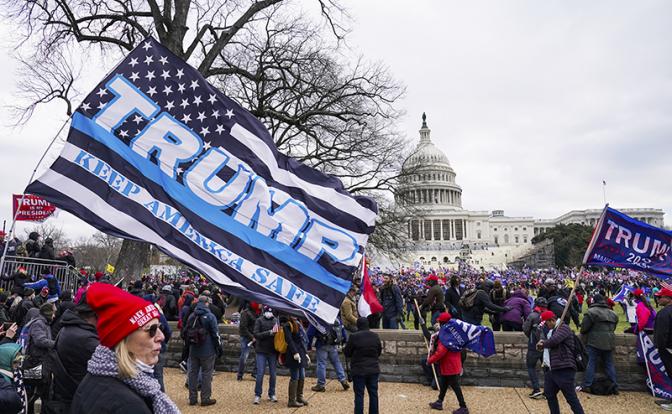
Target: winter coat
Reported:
[(364, 349), (246, 325), (40, 342), (295, 345), (520, 308), (561, 344), (598, 326), (47, 251), (168, 304), (19, 280), (474, 315), (645, 317), (393, 304), (531, 328), (450, 362), (108, 395), (349, 314), (10, 401), (557, 305), (22, 311), (32, 245), (453, 295), (210, 346), (264, 335), (662, 335), (48, 281), (435, 299)]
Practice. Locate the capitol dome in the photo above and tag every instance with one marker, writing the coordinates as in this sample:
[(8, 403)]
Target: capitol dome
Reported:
[(427, 178)]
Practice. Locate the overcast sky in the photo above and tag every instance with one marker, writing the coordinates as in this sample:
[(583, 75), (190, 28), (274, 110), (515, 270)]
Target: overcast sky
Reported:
[(534, 103)]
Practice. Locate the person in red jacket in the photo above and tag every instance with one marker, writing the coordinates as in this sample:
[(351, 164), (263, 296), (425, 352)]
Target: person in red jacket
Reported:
[(450, 368)]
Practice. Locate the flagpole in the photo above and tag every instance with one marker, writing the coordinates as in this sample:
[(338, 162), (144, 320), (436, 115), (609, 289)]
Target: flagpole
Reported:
[(23, 195), (646, 363), (604, 191), (417, 309)]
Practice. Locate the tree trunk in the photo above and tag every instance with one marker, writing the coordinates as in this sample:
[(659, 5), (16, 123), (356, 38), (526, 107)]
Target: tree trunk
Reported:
[(133, 260)]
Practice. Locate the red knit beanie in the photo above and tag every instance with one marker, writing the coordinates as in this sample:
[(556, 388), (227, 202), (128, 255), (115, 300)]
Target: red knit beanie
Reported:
[(119, 312), (547, 315), (444, 317)]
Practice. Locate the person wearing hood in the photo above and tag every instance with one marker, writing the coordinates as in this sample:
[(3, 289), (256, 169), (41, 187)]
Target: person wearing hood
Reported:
[(450, 368), (598, 327), (75, 344), (33, 245), (47, 251), (119, 376), (11, 401), (22, 308), (39, 343), (265, 328), (202, 333), (481, 303), (512, 320), (364, 349), (533, 333)]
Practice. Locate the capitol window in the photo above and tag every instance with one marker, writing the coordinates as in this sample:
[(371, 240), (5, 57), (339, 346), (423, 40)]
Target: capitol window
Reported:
[(515, 228)]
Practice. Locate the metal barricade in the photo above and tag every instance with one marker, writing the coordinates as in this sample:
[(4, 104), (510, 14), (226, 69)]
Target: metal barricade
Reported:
[(66, 275)]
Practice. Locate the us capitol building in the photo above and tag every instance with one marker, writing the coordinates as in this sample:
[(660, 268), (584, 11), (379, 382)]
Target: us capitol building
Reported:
[(443, 233)]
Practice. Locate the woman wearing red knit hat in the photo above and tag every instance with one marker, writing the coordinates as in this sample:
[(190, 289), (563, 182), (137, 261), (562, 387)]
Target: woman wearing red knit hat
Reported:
[(450, 369), (119, 378)]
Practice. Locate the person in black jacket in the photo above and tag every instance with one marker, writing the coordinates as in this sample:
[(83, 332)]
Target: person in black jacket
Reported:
[(47, 250), (662, 335), (33, 244), (393, 304), (453, 295), (482, 302), (364, 349), (75, 343), (20, 278), (265, 328), (296, 359), (10, 399), (245, 330)]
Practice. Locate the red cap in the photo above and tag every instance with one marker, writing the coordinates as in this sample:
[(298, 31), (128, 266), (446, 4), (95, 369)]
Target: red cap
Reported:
[(665, 292), (443, 317), (637, 292), (22, 269), (119, 312), (98, 276), (547, 316), (432, 277)]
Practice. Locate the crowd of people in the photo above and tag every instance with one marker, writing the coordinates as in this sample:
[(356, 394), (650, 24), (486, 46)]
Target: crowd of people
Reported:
[(62, 347)]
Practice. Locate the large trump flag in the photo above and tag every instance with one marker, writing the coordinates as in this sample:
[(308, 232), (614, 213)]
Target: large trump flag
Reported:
[(156, 153)]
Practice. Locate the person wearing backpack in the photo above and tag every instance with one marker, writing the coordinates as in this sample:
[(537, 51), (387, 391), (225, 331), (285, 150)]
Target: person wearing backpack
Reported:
[(533, 333), (265, 328), (475, 302), (202, 334), (598, 328), (557, 345), (326, 350)]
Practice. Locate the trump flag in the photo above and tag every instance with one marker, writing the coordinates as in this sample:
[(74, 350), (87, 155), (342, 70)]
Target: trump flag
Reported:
[(155, 153)]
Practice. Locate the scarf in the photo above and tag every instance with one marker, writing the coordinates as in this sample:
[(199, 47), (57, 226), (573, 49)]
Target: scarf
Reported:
[(103, 363)]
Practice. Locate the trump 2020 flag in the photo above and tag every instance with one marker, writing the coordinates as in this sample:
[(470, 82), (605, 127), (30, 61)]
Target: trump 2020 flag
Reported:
[(457, 335), (368, 302), (621, 241), (156, 153), (657, 379)]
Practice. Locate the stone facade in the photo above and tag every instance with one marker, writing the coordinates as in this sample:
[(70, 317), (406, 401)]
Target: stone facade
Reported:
[(403, 350)]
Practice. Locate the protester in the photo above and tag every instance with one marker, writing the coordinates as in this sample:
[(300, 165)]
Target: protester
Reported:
[(393, 304), (435, 298), (296, 359), (519, 309), (453, 297), (598, 327), (245, 331), (349, 313), (559, 364), (497, 296), (662, 336), (473, 312), (47, 251), (202, 333), (119, 378), (450, 367), (19, 279), (265, 328), (534, 356), (11, 402), (168, 303), (646, 315), (167, 334), (36, 349), (326, 349), (49, 282), (364, 349), (33, 245)]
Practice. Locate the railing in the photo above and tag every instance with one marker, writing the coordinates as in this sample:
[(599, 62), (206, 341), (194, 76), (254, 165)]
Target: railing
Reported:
[(66, 275)]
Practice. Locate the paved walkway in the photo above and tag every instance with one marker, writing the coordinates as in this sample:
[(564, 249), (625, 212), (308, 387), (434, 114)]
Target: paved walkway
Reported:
[(236, 397)]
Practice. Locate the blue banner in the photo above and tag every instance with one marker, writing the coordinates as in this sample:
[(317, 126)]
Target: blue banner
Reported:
[(621, 241), (457, 335), (657, 379), (156, 153)]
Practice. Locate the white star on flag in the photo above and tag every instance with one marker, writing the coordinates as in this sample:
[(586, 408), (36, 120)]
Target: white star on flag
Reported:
[(168, 90), (197, 100), (180, 73), (163, 60), (170, 105), (184, 103), (146, 46), (205, 131), (229, 113), (102, 105), (101, 92), (219, 129), (215, 114), (212, 99), (201, 116), (133, 62), (186, 118), (148, 59), (194, 85), (134, 76), (137, 119), (179, 170), (86, 106), (123, 133), (151, 91), (165, 75), (150, 75), (206, 145), (180, 87)]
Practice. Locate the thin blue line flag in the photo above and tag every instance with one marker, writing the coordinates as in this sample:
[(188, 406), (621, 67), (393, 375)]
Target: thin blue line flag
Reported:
[(621, 241), (156, 153)]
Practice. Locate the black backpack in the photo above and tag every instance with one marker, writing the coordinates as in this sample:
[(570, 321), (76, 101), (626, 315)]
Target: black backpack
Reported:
[(580, 354), (195, 332), (603, 386), (468, 298)]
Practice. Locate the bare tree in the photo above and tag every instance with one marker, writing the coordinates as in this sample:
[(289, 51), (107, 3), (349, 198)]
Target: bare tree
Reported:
[(50, 231), (336, 117), (97, 251)]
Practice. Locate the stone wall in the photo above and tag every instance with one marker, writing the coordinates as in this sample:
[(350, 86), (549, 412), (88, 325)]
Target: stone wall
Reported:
[(403, 350)]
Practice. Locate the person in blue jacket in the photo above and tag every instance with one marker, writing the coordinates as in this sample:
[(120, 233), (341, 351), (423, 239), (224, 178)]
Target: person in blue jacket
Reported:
[(48, 280)]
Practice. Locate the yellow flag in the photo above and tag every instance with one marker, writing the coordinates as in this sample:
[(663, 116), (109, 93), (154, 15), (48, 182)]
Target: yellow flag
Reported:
[(109, 269), (569, 283)]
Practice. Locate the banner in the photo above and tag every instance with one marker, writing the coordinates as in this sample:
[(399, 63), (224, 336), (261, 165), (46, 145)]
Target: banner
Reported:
[(457, 335), (621, 241), (658, 381), (33, 208), (156, 153), (368, 302)]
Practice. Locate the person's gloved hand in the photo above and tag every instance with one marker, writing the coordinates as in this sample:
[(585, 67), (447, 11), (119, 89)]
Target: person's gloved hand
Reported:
[(297, 358), (507, 308)]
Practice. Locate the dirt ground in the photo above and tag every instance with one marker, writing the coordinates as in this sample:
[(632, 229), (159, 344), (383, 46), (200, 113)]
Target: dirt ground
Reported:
[(236, 397)]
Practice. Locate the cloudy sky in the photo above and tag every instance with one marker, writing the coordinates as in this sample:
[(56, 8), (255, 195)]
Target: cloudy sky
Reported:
[(534, 103)]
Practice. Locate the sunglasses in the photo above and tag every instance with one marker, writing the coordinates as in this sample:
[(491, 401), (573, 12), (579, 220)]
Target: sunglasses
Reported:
[(152, 330)]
